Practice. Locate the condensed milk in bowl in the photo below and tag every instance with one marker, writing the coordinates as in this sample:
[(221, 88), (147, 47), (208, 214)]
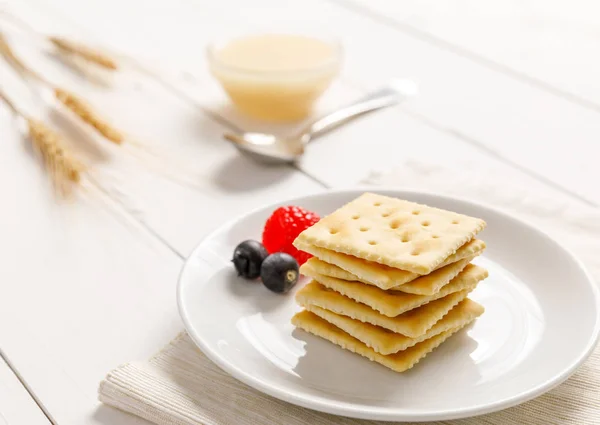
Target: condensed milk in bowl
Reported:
[(275, 76)]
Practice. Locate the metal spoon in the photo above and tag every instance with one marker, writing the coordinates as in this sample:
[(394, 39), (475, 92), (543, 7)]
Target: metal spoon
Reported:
[(274, 150)]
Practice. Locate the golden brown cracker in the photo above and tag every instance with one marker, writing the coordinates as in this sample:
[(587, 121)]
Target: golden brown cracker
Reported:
[(413, 323), (384, 277), (394, 232), (394, 303), (398, 362), (387, 342), (422, 285)]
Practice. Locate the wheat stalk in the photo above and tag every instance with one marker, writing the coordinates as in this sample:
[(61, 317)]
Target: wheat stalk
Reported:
[(85, 52), (64, 168), (66, 46), (57, 157), (72, 102), (11, 58), (11, 105), (80, 108)]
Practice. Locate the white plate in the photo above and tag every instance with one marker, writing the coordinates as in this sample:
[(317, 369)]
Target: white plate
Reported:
[(541, 322)]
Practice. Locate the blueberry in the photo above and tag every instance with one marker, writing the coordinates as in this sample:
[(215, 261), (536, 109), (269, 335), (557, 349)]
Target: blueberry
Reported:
[(248, 258), (279, 272)]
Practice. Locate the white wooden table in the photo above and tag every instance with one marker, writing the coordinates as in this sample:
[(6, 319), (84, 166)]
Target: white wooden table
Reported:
[(512, 85)]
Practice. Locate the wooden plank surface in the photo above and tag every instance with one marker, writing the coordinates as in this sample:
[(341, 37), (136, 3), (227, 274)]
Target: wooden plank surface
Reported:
[(508, 118), (90, 286), (97, 280), (82, 290), (16, 405), (543, 41)]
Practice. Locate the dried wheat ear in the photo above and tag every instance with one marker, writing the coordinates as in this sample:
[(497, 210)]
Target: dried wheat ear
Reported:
[(80, 108), (67, 46), (85, 52), (71, 101), (63, 166), (60, 162)]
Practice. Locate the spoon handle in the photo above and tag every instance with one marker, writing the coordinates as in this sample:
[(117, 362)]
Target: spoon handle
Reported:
[(388, 95)]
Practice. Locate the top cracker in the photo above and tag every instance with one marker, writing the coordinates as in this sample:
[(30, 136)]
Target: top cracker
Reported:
[(397, 233)]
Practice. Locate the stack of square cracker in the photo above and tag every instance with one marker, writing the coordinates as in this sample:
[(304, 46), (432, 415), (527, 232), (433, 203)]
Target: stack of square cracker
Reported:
[(390, 278)]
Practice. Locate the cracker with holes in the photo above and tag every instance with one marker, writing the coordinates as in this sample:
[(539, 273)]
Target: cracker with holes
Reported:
[(399, 362), (390, 278), (422, 285), (385, 341), (394, 303), (347, 267), (393, 232), (412, 324)]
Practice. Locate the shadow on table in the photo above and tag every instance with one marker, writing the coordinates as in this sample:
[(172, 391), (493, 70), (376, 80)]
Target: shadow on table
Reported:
[(214, 123), (240, 174)]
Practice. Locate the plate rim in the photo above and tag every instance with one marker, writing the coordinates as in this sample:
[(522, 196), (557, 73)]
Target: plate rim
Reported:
[(387, 413)]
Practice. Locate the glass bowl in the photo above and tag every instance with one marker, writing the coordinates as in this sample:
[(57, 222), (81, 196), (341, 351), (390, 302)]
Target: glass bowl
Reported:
[(275, 76)]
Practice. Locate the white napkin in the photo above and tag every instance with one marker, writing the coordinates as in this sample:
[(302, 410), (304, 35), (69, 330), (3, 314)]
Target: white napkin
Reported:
[(180, 386)]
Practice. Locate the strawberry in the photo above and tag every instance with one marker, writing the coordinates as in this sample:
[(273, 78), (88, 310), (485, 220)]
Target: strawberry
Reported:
[(284, 225)]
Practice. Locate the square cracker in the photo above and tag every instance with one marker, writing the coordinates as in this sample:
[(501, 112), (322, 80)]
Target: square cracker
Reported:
[(412, 324), (397, 233), (399, 362), (376, 274), (394, 303), (423, 285), (385, 342)]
